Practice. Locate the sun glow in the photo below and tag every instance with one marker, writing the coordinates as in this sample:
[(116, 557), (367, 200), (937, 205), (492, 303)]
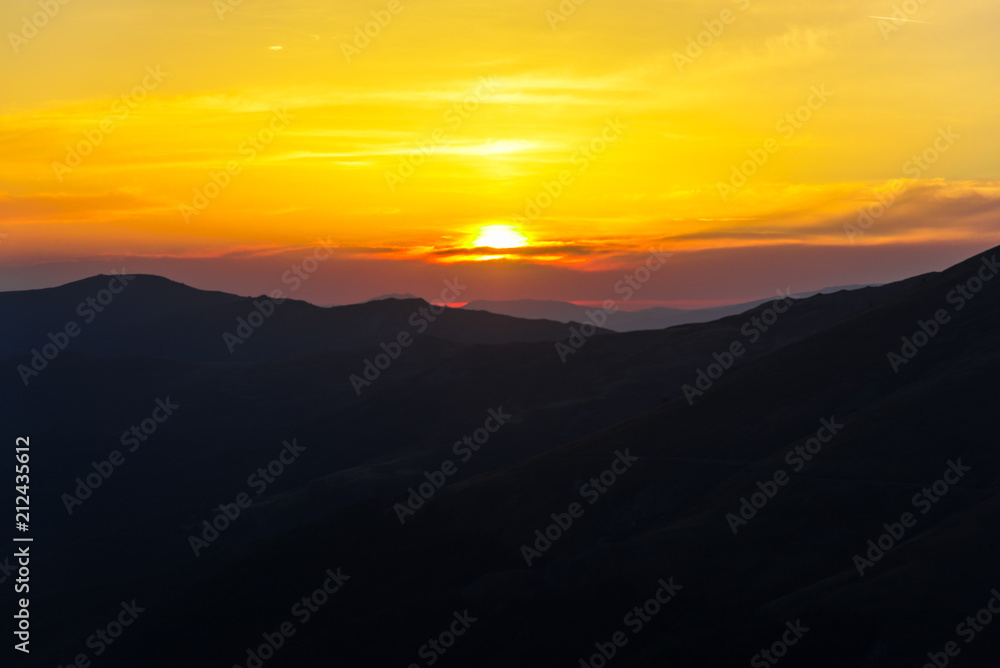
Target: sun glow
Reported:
[(500, 236)]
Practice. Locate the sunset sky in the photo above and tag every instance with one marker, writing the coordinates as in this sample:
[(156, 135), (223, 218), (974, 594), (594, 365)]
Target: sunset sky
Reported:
[(223, 140)]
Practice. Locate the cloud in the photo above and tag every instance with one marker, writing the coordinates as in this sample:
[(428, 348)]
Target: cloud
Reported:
[(80, 208)]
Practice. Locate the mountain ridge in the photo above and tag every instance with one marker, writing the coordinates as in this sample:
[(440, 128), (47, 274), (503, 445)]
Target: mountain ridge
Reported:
[(152, 315), (629, 321)]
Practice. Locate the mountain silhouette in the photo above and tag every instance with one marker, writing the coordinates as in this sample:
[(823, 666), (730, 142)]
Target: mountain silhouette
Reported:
[(155, 317), (624, 321), (882, 412)]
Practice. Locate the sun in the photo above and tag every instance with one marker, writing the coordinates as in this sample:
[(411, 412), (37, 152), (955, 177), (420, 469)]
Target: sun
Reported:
[(500, 236)]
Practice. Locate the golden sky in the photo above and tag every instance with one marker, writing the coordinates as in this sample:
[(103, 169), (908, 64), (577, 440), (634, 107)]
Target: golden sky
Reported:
[(583, 138)]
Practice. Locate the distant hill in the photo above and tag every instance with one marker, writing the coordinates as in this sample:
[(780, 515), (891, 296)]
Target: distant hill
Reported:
[(394, 295), (624, 321), (157, 317)]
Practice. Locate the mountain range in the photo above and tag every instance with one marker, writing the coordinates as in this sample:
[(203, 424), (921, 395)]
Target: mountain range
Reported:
[(624, 321), (825, 463)]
